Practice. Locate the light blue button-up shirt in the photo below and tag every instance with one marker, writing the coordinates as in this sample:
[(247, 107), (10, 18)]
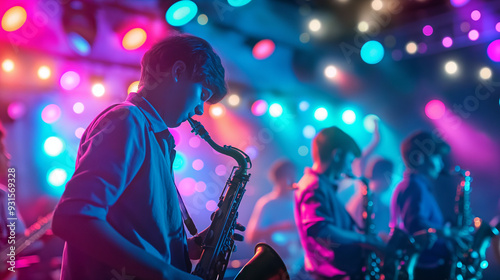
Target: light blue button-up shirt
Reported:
[(124, 176)]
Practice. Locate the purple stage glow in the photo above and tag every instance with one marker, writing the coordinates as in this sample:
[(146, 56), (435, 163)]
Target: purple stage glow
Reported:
[(51, 113), (458, 3), (427, 30), (475, 15), (473, 35), (70, 80), (494, 50), (447, 42)]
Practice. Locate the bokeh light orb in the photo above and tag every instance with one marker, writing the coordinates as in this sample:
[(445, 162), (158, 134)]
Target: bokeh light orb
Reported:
[(14, 18), (187, 186), (397, 55), (314, 25), (451, 67), (79, 132), (435, 109), (211, 205), (427, 30), (57, 177), (303, 151), (179, 162), (303, 105), (494, 50), (69, 80), (411, 47), (217, 111), (44, 72), (447, 42), (238, 3), (259, 107), (320, 114), (458, 3), (8, 65), (252, 152), (475, 15), (98, 90), (202, 19), (53, 146), (79, 44), (422, 47), (377, 5), (330, 72), (275, 110), (220, 170), (304, 37), (363, 26), (194, 142), (233, 100), (485, 73), (369, 122), (198, 164), (78, 107), (180, 13), (372, 52), (473, 35), (134, 39), (51, 113), (497, 27), (16, 110), (263, 49), (309, 131), (133, 87), (200, 186), (348, 116)]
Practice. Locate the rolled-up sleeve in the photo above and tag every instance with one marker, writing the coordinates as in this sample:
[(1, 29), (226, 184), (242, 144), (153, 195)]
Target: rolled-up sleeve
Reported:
[(111, 153)]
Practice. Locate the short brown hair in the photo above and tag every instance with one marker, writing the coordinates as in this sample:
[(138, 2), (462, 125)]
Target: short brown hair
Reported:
[(332, 138), (424, 144), (199, 57)]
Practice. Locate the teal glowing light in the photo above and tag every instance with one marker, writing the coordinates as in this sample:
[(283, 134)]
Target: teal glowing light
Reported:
[(369, 122), (275, 110), (78, 43), (238, 3), (484, 264), (179, 162), (53, 146), (321, 114), (181, 13), (348, 116), (372, 52), (57, 177)]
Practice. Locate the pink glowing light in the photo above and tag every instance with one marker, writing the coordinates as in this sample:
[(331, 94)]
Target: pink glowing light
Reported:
[(51, 113), (473, 35), (69, 80), (16, 110), (200, 186), (194, 142), (447, 42), (176, 135), (497, 27), (458, 3), (435, 109), (494, 50), (211, 205), (187, 186), (427, 30), (259, 108), (475, 15), (220, 170), (79, 132), (422, 47), (198, 164), (263, 49)]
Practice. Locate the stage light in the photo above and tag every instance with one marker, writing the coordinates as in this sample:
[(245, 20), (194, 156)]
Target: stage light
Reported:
[(497, 27), (320, 114), (211, 205), (200, 186), (263, 49), (44, 72), (238, 3), (305, 37), (14, 18), (372, 52), (303, 151), (78, 107), (180, 13), (179, 162), (485, 73), (473, 35), (494, 50), (16, 110), (348, 116), (458, 3), (133, 87), (411, 47), (427, 30), (369, 122), (233, 100), (8, 65), (53, 146), (69, 80), (422, 47), (377, 5), (202, 19), (330, 72), (134, 39), (56, 177), (275, 110), (80, 25), (51, 113), (198, 164), (451, 67), (194, 142), (221, 170), (217, 111), (309, 131), (314, 25), (435, 109), (251, 151), (363, 26), (98, 90), (303, 106), (475, 15), (259, 108), (447, 42), (79, 132)]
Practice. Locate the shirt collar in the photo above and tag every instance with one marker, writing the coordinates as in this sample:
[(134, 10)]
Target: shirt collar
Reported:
[(154, 119)]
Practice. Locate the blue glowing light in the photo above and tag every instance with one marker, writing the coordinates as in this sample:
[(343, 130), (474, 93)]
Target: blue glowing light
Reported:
[(372, 52), (181, 13), (179, 162), (348, 116), (238, 3), (78, 43)]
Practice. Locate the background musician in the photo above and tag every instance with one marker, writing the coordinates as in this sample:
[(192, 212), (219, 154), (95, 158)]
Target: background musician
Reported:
[(333, 248)]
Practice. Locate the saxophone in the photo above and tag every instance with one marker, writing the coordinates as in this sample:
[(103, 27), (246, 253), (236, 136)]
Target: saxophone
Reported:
[(218, 243)]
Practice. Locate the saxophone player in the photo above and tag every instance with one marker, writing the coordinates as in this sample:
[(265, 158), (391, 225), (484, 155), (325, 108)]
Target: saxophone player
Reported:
[(333, 248), (414, 208), (120, 213)]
